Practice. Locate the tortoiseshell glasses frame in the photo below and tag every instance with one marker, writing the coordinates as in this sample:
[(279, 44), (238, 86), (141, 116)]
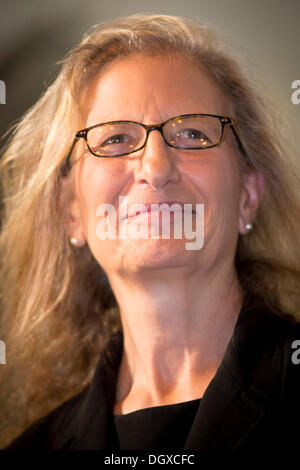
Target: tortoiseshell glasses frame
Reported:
[(223, 122)]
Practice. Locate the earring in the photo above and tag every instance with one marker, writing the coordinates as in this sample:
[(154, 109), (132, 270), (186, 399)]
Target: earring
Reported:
[(249, 227), (73, 241)]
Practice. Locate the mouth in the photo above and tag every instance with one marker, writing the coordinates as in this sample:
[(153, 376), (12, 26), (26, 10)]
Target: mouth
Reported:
[(149, 208)]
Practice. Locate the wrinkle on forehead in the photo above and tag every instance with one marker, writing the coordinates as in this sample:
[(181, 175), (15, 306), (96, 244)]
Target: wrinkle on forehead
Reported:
[(154, 88)]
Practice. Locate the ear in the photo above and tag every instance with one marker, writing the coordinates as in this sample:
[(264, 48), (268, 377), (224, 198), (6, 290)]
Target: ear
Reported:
[(251, 194), (70, 210)]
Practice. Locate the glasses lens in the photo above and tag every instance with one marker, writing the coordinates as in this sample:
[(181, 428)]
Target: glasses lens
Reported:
[(115, 139), (196, 132)]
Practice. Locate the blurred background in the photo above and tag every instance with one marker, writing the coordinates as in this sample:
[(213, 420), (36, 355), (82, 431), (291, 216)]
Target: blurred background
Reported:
[(36, 34)]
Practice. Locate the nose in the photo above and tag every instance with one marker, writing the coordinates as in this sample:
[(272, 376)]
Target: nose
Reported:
[(157, 165)]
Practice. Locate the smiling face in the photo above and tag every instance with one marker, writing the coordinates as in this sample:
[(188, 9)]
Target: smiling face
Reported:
[(152, 90)]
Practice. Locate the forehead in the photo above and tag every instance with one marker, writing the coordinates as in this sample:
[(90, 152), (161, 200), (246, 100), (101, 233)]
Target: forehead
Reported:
[(149, 90)]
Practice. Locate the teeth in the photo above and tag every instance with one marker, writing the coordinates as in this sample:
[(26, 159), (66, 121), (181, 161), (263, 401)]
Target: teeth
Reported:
[(135, 210)]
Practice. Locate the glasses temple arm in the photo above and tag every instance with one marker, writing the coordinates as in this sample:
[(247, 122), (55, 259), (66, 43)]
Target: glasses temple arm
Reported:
[(66, 167), (241, 147)]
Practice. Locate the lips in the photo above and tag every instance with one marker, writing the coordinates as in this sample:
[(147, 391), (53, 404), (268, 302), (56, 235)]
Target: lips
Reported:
[(135, 209)]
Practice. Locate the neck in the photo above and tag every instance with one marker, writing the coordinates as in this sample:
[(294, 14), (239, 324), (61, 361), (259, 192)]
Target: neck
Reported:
[(176, 328)]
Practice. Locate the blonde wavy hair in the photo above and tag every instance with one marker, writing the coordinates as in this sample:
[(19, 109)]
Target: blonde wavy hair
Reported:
[(57, 308)]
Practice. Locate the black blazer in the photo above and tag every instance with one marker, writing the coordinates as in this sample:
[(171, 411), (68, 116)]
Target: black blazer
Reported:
[(252, 403)]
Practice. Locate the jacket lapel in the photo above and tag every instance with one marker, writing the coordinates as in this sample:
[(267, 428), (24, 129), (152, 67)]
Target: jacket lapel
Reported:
[(238, 396), (225, 416)]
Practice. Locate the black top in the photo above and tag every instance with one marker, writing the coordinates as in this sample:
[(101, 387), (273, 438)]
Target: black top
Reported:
[(158, 427)]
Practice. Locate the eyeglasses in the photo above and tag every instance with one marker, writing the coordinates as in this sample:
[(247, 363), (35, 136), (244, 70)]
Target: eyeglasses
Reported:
[(187, 132)]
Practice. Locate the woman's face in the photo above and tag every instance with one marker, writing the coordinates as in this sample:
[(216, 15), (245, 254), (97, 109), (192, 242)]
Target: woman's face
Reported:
[(151, 90)]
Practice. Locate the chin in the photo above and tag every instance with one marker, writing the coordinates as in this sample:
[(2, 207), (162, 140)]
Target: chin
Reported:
[(151, 254)]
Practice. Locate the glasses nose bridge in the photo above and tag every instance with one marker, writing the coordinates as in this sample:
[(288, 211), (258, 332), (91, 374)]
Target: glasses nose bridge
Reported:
[(154, 127)]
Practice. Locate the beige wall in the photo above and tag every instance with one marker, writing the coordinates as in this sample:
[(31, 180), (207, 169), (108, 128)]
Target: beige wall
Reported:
[(34, 34)]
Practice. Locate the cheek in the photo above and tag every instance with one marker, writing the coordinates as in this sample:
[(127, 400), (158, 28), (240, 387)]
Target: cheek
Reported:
[(97, 182), (227, 188), (218, 183), (227, 195)]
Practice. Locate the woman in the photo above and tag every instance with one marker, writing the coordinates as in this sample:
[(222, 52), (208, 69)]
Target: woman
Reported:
[(198, 343)]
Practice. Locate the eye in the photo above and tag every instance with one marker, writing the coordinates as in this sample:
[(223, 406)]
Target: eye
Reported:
[(114, 139), (117, 139), (192, 134)]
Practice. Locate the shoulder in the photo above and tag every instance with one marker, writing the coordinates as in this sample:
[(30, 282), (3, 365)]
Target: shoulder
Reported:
[(265, 328), (265, 351), (43, 434)]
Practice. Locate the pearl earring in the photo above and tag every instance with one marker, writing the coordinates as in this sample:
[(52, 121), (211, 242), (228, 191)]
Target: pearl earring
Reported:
[(249, 227), (73, 241)]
